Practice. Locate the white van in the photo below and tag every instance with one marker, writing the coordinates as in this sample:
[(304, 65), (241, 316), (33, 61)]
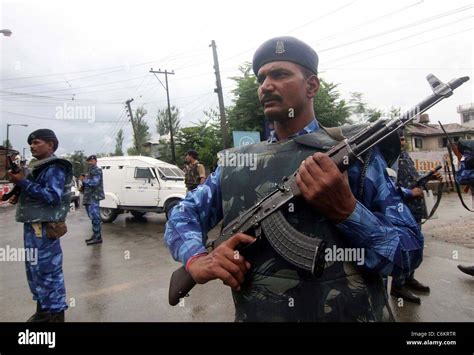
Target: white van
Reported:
[(139, 185)]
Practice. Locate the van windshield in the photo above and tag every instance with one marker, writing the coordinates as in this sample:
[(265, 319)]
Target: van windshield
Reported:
[(170, 173)]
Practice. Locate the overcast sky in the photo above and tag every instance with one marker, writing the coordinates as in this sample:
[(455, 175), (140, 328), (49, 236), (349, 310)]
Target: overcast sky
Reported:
[(94, 55)]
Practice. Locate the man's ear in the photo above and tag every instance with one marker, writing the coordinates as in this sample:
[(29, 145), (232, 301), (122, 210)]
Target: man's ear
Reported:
[(51, 145), (313, 86)]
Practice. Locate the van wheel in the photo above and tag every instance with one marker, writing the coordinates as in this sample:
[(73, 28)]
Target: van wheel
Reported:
[(137, 214), (108, 215), (169, 206)]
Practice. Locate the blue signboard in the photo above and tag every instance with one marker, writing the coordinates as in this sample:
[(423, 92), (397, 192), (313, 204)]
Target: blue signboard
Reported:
[(245, 138)]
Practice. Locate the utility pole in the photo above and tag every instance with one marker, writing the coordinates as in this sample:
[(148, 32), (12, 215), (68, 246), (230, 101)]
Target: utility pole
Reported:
[(220, 96), (173, 154), (130, 114)]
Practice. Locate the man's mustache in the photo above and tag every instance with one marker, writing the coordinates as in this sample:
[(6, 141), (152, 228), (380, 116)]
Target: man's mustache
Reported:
[(270, 97)]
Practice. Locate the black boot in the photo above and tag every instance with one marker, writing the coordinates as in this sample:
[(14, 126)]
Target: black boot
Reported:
[(404, 293), (92, 237), (467, 269), (38, 311), (47, 317), (43, 316), (416, 285), (95, 240)]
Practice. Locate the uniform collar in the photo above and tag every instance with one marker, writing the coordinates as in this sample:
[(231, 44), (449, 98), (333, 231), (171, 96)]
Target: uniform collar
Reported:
[(313, 126)]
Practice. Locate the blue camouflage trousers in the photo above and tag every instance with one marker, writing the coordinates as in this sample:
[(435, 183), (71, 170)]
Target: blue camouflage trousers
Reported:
[(93, 213), (45, 274)]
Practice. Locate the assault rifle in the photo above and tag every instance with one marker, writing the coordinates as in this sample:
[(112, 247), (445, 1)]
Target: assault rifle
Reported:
[(422, 181), (295, 247), (15, 169)]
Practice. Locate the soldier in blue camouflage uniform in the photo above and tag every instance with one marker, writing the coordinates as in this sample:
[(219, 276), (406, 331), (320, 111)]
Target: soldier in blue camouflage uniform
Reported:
[(465, 176), (93, 193), (407, 177), (363, 210), (42, 207)]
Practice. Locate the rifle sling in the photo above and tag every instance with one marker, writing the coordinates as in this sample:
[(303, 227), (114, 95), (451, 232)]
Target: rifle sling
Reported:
[(458, 189), (438, 200)]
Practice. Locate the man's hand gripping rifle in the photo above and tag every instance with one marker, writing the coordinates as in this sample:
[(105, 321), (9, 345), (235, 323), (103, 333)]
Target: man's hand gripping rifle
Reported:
[(297, 248), (15, 169)]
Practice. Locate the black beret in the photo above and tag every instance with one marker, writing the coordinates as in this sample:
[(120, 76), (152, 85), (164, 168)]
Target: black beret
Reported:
[(45, 135), (192, 153), (288, 49), (91, 157)]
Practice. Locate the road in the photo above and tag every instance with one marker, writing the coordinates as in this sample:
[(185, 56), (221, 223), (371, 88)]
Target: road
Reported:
[(126, 278)]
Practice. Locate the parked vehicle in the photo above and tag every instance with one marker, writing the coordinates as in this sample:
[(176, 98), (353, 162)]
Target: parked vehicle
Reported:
[(139, 185), (75, 192)]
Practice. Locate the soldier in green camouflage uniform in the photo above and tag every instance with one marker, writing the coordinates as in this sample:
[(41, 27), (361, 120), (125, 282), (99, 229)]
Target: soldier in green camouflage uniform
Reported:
[(194, 172)]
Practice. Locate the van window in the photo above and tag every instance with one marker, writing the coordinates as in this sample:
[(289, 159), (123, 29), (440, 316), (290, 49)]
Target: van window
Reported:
[(143, 173), (178, 172), (170, 173)]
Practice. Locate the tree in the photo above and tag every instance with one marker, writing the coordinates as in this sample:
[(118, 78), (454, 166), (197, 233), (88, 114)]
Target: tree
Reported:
[(163, 122), (360, 109), (141, 134), (119, 143), (247, 112), (205, 138), (395, 112), (78, 161), (330, 110), (7, 143)]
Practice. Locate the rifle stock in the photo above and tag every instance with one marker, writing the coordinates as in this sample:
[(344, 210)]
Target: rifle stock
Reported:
[(181, 283)]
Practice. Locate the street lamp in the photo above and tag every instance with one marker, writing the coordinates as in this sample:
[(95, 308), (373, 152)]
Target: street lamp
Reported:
[(8, 129), (6, 32)]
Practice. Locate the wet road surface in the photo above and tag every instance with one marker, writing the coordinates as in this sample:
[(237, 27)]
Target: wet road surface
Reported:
[(126, 278)]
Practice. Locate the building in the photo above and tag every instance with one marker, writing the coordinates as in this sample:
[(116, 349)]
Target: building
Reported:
[(427, 142), (466, 113), (423, 136)]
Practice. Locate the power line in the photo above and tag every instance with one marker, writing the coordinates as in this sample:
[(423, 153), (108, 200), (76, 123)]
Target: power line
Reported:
[(321, 17), (62, 81), (448, 13), (400, 39), (400, 49), (55, 119), (166, 72), (87, 86), (121, 67), (362, 24)]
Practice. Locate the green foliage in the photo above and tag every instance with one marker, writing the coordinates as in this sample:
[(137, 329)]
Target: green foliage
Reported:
[(7, 143), (330, 110), (247, 113), (361, 110), (119, 143), (205, 138), (395, 112), (163, 123), (78, 161), (141, 134)]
